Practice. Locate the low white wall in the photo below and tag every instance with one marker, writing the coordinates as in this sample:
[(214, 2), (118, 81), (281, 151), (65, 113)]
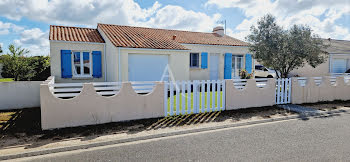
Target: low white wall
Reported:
[(19, 94), (89, 108), (250, 95), (312, 93)]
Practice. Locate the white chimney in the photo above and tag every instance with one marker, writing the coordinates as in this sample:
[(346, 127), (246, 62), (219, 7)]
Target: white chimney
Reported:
[(219, 30)]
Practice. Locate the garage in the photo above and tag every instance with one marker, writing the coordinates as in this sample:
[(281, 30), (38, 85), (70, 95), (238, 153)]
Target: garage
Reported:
[(146, 67)]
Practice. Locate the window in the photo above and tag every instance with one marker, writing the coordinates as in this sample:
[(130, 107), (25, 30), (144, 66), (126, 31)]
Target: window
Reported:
[(237, 64), (194, 60), (82, 64)]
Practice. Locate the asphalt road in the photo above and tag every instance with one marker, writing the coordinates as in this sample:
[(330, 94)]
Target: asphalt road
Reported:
[(316, 139)]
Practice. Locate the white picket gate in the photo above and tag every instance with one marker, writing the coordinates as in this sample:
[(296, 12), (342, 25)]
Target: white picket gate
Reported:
[(192, 97), (283, 90)]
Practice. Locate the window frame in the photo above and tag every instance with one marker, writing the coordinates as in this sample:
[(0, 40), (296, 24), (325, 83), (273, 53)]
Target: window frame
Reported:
[(198, 60), (82, 75), (235, 63)]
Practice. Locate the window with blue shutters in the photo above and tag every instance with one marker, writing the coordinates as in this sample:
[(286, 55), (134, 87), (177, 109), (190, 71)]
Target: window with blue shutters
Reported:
[(97, 64), (66, 64), (204, 60)]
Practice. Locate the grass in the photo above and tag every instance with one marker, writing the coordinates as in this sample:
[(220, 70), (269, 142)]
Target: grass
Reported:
[(6, 79), (180, 108)]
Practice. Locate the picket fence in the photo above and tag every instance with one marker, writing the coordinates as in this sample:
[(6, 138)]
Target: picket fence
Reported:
[(283, 90), (192, 97)]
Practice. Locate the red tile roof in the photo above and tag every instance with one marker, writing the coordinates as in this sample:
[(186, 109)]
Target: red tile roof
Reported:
[(140, 37), (65, 33)]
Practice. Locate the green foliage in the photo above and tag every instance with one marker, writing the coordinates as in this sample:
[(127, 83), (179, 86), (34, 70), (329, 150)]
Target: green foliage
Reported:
[(0, 49), (244, 74), (285, 50), (19, 67)]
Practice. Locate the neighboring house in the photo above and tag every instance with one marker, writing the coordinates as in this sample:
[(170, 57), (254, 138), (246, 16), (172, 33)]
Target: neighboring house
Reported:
[(125, 53), (338, 61)]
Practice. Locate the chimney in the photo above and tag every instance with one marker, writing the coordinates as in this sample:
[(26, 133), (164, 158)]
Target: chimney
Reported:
[(219, 30), (174, 37)]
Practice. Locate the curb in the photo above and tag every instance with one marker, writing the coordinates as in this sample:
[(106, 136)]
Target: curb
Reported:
[(113, 142)]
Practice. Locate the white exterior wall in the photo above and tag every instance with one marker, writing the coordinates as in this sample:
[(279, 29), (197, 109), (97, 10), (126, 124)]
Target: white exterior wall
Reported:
[(322, 69), (55, 54), (19, 94), (111, 59), (203, 74)]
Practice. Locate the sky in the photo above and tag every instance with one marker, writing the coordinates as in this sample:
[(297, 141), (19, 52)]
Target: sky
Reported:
[(26, 23)]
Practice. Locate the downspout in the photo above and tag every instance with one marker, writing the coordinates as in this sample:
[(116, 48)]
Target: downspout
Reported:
[(105, 61), (119, 66)]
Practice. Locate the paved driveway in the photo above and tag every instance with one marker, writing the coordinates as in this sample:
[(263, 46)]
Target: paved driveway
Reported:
[(315, 139)]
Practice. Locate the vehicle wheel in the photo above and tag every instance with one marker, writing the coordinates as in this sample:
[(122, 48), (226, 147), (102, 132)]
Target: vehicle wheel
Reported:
[(269, 76)]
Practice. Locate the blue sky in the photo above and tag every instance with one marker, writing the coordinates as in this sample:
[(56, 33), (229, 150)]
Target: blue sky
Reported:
[(28, 23)]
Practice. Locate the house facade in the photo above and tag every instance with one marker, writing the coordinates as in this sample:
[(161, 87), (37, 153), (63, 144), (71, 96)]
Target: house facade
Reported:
[(124, 53), (337, 63)]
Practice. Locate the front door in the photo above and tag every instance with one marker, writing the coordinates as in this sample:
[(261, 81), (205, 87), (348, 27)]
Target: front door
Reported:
[(214, 66)]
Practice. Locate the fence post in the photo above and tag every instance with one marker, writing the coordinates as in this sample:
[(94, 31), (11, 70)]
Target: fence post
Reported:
[(183, 88), (177, 98), (208, 95), (165, 99), (171, 98)]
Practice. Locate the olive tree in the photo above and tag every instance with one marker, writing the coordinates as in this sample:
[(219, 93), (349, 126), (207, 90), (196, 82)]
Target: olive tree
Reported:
[(285, 50)]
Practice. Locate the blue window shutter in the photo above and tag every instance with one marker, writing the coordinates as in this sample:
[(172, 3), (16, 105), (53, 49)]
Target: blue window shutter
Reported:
[(66, 64), (228, 66), (96, 64), (248, 63), (204, 62)]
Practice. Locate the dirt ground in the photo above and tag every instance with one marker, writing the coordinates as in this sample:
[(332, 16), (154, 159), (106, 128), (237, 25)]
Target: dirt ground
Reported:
[(22, 127), (327, 106)]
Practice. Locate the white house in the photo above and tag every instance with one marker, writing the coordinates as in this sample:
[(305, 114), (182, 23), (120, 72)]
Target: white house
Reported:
[(337, 63), (126, 53)]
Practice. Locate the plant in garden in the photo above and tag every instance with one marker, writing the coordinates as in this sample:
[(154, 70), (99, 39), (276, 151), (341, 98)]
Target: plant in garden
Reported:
[(15, 65), (285, 50), (245, 75)]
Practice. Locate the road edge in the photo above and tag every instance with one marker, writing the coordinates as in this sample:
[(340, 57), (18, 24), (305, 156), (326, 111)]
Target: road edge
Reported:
[(133, 139)]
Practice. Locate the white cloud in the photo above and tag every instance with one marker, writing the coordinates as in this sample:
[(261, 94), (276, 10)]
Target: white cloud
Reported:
[(176, 17), (35, 40), (318, 14), (6, 28), (91, 12)]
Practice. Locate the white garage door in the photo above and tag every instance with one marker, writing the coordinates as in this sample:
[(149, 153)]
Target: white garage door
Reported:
[(339, 66), (143, 67)]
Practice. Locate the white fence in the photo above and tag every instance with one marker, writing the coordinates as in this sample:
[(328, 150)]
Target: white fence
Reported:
[(283, 90), (19, 94), (69, 90), (187, 97)]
